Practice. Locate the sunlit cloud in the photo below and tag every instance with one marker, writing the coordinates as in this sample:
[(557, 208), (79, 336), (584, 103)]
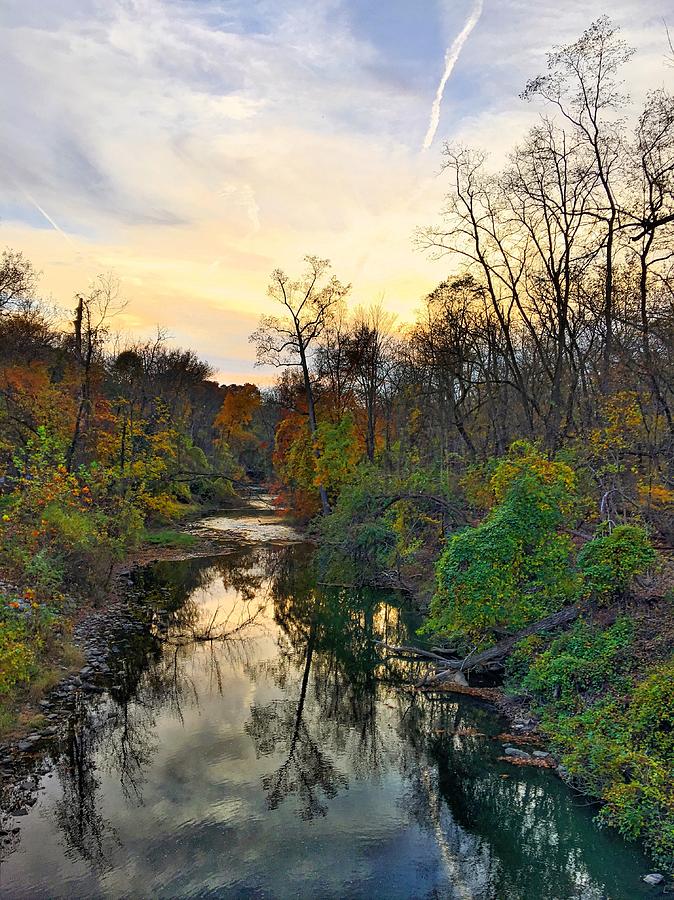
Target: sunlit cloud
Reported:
[(192, 147)]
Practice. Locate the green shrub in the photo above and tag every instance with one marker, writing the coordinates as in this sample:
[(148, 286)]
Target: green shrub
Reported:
[(619, 749), (611, 561), (580, 660), (26, 628), (516, 566), (17, 655), (651, 721)]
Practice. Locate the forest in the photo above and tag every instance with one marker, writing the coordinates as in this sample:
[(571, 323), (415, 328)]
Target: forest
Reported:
[(504, 459)]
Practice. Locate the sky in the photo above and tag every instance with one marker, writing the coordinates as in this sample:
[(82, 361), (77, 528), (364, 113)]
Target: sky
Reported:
[(190, 147)]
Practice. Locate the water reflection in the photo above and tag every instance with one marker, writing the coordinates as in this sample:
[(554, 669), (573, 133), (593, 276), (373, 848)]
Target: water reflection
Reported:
[(254, 741)]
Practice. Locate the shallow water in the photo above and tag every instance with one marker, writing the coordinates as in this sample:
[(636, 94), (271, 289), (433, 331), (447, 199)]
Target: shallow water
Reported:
[(286, 757)]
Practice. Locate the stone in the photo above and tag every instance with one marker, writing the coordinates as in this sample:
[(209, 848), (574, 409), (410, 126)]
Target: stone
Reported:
[(517, 753), (653, 878), (540, 754)]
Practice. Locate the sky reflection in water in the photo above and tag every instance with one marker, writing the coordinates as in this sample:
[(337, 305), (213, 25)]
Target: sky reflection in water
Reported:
[(291, 760)]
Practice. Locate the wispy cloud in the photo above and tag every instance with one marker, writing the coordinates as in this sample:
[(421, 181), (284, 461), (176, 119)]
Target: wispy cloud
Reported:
[(451, 57), (156, 136)]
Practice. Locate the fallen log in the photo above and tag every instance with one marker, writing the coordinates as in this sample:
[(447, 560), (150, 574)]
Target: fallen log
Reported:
[(532, 761), (491, 695), (416, 652), (487, 658)]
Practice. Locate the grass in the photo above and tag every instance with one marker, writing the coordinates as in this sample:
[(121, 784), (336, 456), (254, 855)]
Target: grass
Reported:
[(16, 713), (167, 537)]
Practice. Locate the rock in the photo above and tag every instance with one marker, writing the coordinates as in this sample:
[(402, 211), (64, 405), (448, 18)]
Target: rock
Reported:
[(540, 754), (516, 752), (653, 878), (460, 678), (21, 811), (23, 746)]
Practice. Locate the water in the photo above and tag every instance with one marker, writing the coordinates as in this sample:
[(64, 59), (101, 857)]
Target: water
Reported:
[(286, 757)]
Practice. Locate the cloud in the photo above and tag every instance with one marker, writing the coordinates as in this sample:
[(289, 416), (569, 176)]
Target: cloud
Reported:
[(192, 145)]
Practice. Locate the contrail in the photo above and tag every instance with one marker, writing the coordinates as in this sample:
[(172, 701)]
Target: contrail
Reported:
[(48, 218), (451, 57)]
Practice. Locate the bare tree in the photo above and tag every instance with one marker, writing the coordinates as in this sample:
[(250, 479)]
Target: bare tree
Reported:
[(291, 339), (582, 84), (18, 280), (90, 331), (370, 347)]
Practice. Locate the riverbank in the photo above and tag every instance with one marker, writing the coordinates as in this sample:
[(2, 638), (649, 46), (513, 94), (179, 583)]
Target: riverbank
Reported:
[(54, 647), (593, 702)]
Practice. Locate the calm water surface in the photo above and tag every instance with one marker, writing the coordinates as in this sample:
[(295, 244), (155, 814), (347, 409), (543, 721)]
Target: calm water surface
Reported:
[(253, 743)]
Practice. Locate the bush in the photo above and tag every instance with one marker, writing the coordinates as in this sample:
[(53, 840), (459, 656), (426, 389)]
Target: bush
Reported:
[(60, 525), (515, 567), (581, 660), (26, 628), (620, 750), (615, 738), (610, 562), (651, 721), (17, 655)]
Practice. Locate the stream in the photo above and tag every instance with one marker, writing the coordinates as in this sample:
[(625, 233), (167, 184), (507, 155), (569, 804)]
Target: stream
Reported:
[(251, 741)]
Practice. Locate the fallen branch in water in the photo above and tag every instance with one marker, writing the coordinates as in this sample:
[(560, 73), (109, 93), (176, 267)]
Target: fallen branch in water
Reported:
[(412, 651), (531, 761), (489, 658), (486, 659)]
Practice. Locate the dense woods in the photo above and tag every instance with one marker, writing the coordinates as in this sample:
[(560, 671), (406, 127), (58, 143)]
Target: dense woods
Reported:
[(507, 455)]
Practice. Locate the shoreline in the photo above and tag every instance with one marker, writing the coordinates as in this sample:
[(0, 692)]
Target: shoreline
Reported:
[(68, 659)]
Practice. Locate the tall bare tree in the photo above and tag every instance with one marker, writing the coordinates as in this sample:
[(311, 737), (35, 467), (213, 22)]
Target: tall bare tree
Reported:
[(291, 339)]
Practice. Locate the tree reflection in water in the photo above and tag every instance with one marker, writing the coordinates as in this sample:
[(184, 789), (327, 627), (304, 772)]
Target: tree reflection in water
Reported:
[(346, 713), (76, 810)]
